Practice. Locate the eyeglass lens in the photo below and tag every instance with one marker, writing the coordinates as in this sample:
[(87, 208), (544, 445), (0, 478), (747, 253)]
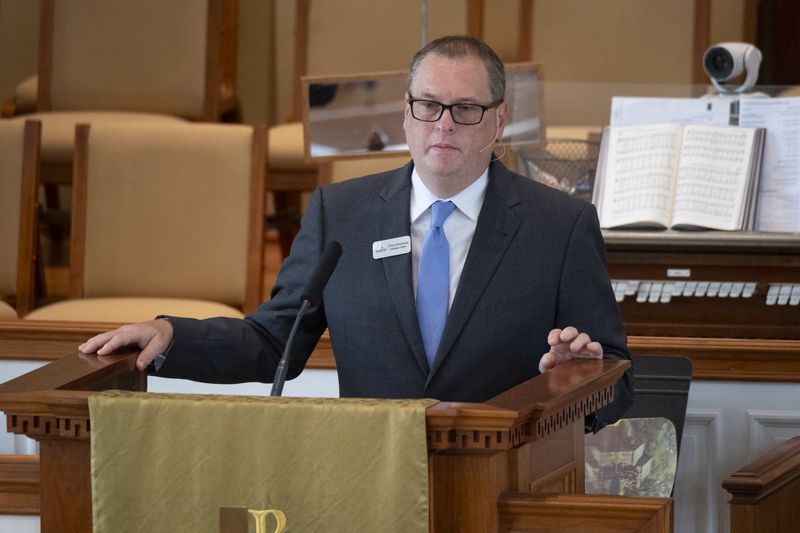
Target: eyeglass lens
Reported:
[(430, 111)]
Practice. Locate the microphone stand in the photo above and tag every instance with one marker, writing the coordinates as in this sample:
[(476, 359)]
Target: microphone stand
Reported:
[(283, 364)]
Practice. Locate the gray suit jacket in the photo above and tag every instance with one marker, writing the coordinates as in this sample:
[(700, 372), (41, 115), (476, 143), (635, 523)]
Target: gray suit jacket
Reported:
[(536, 262)]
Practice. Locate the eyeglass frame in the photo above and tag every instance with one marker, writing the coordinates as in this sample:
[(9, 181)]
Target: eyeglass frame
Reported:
[(449, 107)]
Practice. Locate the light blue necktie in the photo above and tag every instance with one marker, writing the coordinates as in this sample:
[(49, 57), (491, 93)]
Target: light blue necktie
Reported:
[(433, 282)]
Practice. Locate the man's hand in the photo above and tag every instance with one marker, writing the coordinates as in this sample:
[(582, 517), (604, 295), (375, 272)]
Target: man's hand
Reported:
[(153, 338), (568, 344)]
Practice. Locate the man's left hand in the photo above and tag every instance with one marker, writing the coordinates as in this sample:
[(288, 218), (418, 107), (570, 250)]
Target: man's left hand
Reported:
[(566, 344)]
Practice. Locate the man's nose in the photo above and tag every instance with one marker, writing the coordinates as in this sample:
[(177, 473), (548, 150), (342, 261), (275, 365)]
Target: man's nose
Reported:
[(446, 121)]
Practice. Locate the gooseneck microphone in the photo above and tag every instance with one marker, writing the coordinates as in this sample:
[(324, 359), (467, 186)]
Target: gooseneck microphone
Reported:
[(311, 296)]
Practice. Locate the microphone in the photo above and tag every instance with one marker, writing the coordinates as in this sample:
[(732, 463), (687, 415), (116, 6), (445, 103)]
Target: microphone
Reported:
[(496, 133), (312, 295), (488, 145)]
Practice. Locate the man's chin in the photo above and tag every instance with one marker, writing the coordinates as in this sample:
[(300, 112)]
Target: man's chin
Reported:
[(444, 163)]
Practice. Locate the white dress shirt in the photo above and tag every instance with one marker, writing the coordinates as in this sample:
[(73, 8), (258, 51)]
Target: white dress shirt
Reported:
[(459, 227)]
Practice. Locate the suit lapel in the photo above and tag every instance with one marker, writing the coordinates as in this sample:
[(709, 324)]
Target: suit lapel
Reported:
[(393, 220), (495, 230)]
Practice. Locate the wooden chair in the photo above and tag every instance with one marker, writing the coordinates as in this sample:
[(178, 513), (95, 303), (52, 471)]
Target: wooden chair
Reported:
[(132, 61), (19, 175), (166, 219)]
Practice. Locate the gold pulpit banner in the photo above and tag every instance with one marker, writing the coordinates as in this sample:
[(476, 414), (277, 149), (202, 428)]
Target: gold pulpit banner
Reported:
[(168, 462)]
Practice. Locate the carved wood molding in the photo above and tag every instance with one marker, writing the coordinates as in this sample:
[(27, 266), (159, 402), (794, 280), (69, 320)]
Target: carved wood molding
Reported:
[(773, 471), (19, 484), (531, 411), (527, 430), (584, 512), (765, 492), (46, 426)]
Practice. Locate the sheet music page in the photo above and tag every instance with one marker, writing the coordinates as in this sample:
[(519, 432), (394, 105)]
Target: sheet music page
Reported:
[(639, 111), (778, 206), (642, 162), (713, 177)]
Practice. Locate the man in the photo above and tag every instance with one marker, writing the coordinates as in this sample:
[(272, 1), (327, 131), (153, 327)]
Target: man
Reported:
[(526, 267)]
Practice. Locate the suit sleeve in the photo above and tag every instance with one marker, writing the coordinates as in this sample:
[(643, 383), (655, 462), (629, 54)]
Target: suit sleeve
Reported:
[(586, 301), (230, 350)]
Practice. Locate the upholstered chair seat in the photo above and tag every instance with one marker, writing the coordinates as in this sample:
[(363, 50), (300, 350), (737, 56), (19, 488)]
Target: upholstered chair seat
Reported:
[(58, 128), (130, 309), (286, 148), (7, 312), (25, 95)]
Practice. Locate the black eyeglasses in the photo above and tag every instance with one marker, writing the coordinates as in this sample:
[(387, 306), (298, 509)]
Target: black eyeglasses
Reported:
[(464, 114)]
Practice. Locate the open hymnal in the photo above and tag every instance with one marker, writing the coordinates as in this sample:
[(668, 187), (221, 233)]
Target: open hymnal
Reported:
[(681, 177)]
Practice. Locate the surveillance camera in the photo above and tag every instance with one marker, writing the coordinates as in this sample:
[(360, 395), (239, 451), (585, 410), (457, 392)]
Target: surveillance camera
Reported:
[(724, 61)]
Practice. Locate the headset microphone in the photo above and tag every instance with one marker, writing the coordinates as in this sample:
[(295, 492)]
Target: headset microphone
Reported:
[(496, 133)]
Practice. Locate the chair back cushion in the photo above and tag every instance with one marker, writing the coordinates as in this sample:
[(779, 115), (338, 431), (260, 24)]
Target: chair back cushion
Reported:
[(11, 156), (134, 55), (167, 211)]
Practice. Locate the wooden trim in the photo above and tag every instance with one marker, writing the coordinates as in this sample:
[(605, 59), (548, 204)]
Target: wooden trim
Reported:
[(547, 513), (475, 11), (80, 171), (19, 485), (221, 59), (525, 36), (45, 340), (28, 229), (759, 360), (765, 491), (762, 360), (255, 244), (45, 81), (213, 77), (750, 20), (300, 67), (769, 473), (701, 40), (228, 58)]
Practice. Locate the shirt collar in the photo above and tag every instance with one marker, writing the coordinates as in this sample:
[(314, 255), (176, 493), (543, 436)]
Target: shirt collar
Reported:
[(468, 201)]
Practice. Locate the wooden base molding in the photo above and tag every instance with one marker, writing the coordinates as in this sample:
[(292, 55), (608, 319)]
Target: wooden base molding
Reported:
[(587, 513), (19, 484)]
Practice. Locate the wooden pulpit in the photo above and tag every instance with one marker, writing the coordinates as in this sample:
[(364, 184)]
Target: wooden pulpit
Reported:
[(513, 462)]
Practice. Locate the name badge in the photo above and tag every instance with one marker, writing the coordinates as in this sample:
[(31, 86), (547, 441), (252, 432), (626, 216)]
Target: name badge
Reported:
[(390, 247)]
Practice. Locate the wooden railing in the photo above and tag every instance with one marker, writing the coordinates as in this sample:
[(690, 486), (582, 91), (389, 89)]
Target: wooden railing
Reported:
[(766, 492)]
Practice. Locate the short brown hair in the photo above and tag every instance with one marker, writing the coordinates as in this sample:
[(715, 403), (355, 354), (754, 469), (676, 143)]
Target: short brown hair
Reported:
[(457, 46)]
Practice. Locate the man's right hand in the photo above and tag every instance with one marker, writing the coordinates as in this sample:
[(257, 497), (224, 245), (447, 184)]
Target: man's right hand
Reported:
[(152, 337)]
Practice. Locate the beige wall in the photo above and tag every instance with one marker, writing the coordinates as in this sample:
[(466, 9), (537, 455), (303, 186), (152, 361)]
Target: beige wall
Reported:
[(576, 40)]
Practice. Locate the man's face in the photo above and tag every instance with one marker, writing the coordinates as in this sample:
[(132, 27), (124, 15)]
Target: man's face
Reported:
[(444, 152)]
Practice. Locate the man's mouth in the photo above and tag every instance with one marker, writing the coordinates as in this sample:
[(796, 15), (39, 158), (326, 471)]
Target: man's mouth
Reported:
[(443, 146)]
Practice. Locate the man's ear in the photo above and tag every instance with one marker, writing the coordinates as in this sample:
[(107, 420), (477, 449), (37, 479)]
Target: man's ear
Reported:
[(502, 115)]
